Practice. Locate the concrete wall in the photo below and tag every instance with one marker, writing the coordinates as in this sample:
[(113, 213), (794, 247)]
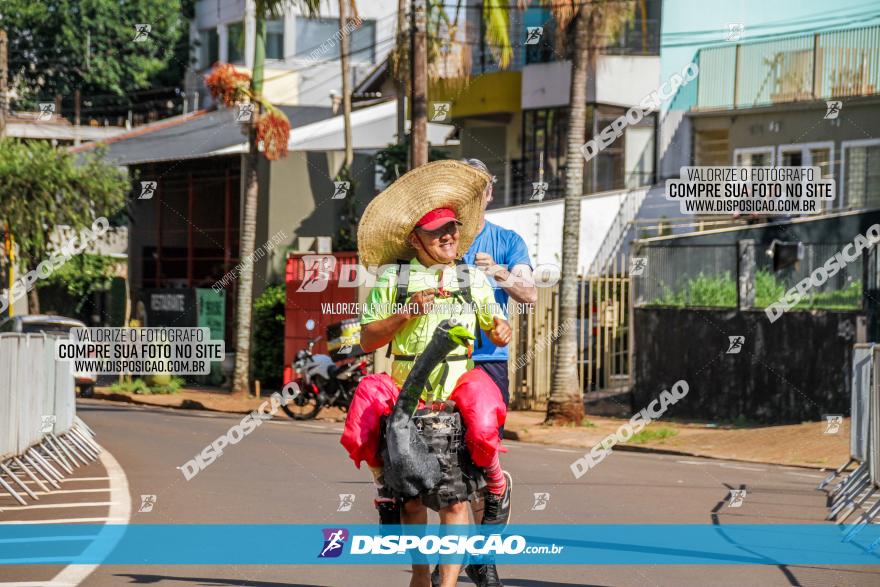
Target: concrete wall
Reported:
[(540, 226)]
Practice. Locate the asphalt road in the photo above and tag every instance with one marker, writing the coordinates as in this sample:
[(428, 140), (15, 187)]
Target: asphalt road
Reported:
[(288, 472)]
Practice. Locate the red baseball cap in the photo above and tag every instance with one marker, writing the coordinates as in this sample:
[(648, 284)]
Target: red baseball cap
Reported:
[(436, 218)]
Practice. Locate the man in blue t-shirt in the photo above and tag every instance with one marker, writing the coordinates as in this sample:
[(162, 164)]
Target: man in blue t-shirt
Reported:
[(503, 255)]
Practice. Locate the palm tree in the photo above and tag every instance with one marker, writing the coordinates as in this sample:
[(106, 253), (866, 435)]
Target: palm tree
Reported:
[(593, 23), (264, 9)]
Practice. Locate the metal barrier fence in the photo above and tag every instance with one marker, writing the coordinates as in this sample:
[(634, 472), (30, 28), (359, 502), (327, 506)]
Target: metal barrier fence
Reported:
[(858, 486), (41, 437)]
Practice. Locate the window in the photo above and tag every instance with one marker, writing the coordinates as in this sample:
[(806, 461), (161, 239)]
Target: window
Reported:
[(819, 155), (318, 39), (275, 39), (209, 48), (235, 42), (753, 157), (861, 173)]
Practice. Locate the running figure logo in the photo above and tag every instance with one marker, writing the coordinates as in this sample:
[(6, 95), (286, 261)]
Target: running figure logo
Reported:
[(736, 344), (541, 501), (317, 270), (440, 111), (47, 424), (340, 190), (737, 496), (833, 108), (539, 188), (638, 265), (346, 500), (47, 109), (832, 423), (244, 112), (142, 32), (533, 34), (147, 503), (334, 540), (148, 188), (735, 31)]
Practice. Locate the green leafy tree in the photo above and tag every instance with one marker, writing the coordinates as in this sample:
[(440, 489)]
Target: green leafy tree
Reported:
[(58, 46), (42, 188)]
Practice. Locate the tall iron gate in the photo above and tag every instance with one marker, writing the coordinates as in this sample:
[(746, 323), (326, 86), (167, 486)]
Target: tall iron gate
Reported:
[(602, 329)]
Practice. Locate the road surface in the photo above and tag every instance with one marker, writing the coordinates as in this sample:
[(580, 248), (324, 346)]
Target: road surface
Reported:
[(289, 472)]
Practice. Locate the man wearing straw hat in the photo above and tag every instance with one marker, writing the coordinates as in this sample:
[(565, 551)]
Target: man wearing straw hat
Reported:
[(417, 229)]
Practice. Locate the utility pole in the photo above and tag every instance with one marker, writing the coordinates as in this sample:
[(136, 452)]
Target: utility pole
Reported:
[(419, 80), (3, 74), (344, 45)]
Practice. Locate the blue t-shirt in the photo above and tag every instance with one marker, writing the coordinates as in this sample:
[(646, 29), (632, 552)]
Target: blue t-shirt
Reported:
[(508, 249)]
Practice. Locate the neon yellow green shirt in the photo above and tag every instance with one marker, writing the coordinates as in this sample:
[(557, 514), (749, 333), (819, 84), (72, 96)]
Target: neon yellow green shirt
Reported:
[(416, 333)]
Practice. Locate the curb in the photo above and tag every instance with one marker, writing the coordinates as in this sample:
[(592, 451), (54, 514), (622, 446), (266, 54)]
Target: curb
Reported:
[(185, 403)]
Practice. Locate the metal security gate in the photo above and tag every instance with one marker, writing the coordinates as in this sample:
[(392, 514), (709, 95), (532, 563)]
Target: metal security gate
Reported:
[(603, 334)]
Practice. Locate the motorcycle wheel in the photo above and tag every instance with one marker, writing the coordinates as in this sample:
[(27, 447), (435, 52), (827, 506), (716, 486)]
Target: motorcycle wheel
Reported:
[(304, 406)]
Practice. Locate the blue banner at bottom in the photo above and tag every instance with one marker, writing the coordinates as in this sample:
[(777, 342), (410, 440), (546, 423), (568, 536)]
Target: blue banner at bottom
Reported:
[(311, 544)]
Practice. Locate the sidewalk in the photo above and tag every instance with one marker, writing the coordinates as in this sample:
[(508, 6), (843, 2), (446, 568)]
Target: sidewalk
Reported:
[(804, 445)]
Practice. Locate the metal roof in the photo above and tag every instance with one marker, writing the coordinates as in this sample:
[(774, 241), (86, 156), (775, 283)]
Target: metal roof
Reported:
[(201, 134)]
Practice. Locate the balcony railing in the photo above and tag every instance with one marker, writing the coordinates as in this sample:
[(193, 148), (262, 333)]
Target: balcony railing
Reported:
[(820, 66)]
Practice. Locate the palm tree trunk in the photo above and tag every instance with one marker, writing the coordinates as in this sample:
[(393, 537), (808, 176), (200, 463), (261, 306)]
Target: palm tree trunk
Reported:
[(245, 287), (419, 80), (565, 403), (346, 81), (399, 86)]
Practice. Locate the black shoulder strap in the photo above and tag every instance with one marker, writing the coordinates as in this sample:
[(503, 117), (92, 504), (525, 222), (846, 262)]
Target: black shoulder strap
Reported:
[(467, 296), (401, 296)]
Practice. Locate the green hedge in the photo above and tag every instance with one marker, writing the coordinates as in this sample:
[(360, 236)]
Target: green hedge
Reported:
[(268, 343)]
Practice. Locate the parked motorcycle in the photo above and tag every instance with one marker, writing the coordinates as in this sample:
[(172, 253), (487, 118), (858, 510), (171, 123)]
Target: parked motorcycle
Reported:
[(323, 383)]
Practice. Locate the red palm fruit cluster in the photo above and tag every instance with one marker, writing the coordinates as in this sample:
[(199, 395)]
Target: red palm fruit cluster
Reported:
[(273, 130), (227, 84)]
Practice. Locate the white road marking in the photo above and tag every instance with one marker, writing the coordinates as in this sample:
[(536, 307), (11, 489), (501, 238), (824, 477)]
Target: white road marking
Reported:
[(60, 491), (76, 479), (44, 506), (69, 521), (120, 509), (563, 450), (313, 426), (740, 467), (804, 475)]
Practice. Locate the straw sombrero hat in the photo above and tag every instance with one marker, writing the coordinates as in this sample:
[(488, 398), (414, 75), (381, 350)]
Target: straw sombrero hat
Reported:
[(392, 215)]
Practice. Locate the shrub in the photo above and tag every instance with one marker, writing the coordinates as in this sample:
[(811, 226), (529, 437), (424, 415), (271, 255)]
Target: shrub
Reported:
[(268, 345)]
